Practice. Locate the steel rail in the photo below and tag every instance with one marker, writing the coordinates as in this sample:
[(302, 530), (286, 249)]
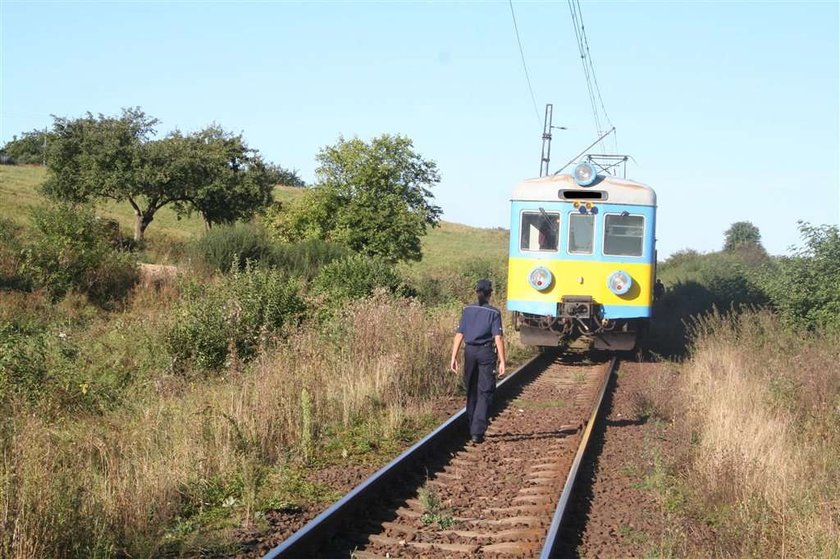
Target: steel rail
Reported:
[(319, 528), (556, 521)]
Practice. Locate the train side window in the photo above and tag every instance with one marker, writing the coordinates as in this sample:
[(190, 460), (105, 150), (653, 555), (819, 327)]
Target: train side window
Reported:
[(539, 231), (581, 233), (624, 235)]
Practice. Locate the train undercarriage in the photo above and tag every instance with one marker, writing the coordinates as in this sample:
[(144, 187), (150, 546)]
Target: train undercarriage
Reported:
[(579, 317)]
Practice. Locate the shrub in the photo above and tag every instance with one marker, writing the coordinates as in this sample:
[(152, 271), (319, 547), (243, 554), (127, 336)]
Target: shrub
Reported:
[(457, 285), (804, 287), (218, 324), (356, 277), (23, 366), (71, 252), (227, 247), (306, 258), (11, 256)]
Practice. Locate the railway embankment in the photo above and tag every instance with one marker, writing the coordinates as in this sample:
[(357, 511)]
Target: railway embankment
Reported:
[(733, 452)]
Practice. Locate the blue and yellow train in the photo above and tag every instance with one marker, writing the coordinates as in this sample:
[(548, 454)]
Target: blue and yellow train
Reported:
[(582, 259)]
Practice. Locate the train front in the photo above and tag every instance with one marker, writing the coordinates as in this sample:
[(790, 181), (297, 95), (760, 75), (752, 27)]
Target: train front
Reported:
[(581, 259)]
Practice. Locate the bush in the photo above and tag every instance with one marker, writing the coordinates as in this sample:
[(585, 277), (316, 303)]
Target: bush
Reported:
[(23, 366), (217, 325), (11, 257), (227, 247), (356, 277), (726, 280), (306, 258), (804, 287), (457, 285), (26, 150), (71, 252)]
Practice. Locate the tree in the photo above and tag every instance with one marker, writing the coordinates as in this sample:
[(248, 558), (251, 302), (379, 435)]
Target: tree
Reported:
[(211, 171), (741, 234), (28, 149), (285, 177), (372, 197), (804, 286)]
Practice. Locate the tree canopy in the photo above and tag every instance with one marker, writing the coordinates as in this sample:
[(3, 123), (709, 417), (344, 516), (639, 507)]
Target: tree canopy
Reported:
[(740, 234), (374, 198), (26, 150), (212, 172)]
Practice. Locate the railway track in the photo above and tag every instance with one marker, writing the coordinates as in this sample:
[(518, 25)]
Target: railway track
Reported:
[(446, 497)]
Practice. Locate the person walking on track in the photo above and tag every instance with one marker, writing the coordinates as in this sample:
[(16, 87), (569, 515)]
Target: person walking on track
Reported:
[(480, 329)]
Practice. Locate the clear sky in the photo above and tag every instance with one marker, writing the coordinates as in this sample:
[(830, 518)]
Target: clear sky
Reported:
[(730, 110)]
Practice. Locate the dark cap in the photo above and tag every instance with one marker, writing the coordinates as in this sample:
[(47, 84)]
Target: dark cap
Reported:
[(484, 285)]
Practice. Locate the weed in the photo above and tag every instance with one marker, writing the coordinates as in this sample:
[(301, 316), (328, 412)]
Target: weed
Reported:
[(433, 511), (306, 425)]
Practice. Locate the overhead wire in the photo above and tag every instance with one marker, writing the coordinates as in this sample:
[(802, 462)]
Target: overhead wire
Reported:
[(585, 66), (594, 75), (592, 86), (524, 65)]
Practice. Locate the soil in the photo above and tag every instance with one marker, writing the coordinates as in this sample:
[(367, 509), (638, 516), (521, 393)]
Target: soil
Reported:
[(341, 478), (619, 505)]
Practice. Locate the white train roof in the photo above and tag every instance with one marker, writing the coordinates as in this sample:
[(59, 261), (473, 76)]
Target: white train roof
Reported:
[(618, 191)]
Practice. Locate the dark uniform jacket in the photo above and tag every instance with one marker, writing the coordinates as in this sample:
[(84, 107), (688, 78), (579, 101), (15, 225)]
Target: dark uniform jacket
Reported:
[(480, 323)]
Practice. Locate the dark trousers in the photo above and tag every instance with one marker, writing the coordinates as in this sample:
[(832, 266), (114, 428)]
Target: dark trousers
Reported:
[(479, 362)]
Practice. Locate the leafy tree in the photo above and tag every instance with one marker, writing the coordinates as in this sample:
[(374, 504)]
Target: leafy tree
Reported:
[(28, 149), (741, 234), (804, 287), (374, 198), (211, 171), (286, 177)]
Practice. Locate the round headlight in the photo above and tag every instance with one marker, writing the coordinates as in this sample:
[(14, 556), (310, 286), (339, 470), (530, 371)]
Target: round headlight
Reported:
[(619, 282), (585, 174), (540, 278)]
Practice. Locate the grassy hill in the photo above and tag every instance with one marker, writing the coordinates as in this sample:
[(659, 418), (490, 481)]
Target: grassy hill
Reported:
[(445, 245)]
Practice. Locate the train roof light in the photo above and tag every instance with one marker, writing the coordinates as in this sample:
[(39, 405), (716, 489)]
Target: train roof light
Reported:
[(585, 174)]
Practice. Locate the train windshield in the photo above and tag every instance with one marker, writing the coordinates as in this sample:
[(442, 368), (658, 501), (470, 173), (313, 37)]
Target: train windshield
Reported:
[(623, 235), (539, 230), (581, 233)]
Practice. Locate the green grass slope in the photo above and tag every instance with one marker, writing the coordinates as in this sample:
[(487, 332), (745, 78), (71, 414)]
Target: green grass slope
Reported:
[(443, 246)]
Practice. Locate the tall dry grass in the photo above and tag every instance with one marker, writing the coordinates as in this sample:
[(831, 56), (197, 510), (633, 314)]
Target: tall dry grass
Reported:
[(116, 485), (763, 404)]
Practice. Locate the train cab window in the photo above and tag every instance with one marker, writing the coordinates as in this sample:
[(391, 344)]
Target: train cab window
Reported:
[(539, 231), (623, 234), (581, 233)]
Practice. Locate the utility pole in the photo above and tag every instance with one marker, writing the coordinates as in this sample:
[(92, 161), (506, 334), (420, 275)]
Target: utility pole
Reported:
[(546, 139)]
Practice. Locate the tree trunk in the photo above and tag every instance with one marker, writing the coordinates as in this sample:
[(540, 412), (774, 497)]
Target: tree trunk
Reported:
[(141, 221)]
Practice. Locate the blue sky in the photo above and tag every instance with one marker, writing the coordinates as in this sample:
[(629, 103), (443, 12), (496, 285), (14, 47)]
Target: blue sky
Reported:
[(730, 110)]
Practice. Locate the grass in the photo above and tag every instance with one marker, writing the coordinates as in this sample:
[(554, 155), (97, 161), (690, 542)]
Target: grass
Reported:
[(191, 459), (756, 409), (452, 243), (149, 463), (443, 247)]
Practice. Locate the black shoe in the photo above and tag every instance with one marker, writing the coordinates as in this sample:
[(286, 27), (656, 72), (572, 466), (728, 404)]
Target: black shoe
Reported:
[(478, 439)]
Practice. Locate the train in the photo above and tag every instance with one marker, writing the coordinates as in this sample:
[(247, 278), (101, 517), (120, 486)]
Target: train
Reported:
[(582, 259)]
